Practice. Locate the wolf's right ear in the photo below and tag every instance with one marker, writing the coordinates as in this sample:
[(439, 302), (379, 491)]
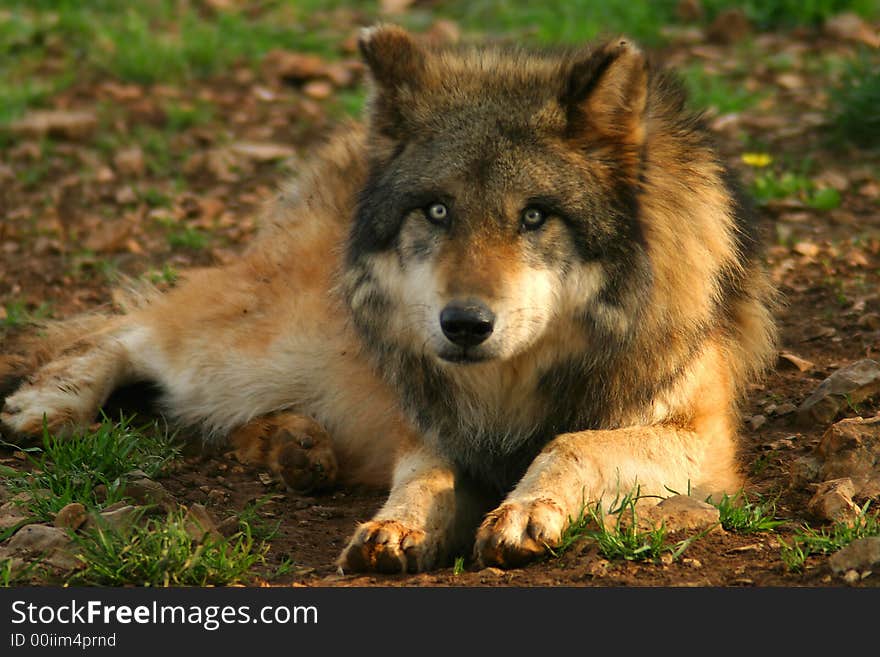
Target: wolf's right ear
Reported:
[(392, 55)]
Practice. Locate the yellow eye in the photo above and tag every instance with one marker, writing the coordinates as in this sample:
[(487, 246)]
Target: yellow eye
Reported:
[(437, 212), (533, 218)]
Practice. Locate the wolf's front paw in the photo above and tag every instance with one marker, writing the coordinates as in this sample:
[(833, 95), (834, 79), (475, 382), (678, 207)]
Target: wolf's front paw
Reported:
[(388, 546), (518, 532)]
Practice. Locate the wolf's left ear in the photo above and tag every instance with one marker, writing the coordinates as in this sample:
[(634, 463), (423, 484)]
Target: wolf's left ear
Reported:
[(607, 92)]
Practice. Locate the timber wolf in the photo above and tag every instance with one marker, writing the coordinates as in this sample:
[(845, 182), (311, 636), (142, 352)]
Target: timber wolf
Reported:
[(526, 283)]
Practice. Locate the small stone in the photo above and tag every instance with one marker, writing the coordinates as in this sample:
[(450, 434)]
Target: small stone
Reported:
[(318, 89), (691, 562), (785, 409), (833, 501), (851, 576), (217, 496), (862, 554), (756, 422), (494, 572), (681, 513), (72, 516)]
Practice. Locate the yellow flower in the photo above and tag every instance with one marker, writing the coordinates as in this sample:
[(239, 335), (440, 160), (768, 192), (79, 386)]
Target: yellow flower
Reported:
[(757, 160)]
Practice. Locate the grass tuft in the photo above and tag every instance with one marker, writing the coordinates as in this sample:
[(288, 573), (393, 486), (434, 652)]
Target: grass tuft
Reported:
[(811, 541), (743, 515), (161, 552), (622, 538), (66, 470)]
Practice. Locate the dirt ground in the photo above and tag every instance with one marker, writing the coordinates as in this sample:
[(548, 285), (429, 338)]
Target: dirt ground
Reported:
[(66, 234)]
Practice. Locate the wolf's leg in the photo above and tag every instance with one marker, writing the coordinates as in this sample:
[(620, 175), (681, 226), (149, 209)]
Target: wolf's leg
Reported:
[(294, 447), (598, 466), (69, 390), (416, 527)]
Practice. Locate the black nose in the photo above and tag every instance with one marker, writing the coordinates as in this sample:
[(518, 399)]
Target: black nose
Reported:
[(467, 323)]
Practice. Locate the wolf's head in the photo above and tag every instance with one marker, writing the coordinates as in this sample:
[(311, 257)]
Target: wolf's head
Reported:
[(501, 198)]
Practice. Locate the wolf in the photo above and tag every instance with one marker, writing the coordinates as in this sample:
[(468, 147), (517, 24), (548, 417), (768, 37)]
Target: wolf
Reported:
[(526, 282)]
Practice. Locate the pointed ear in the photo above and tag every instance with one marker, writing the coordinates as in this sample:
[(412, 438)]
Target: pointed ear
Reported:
[(392, 55), (606, 93)]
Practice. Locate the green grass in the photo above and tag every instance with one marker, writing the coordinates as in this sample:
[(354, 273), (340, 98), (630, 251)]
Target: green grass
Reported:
[(458, 566), (10, 576), (18, 315), (66, 470), (254, 516), (855, 101), (774, 14), (811, 541), (713, 93), (167, 275), (160, 552), (572, 22), (772, 185), (188, 238), (623, 538), (743, 515)]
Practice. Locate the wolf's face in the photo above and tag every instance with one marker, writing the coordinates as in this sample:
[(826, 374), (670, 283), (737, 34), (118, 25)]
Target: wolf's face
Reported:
[(501, 196)]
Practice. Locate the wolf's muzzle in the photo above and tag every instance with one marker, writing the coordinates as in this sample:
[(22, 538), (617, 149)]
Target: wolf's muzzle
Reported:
[(467, 323)]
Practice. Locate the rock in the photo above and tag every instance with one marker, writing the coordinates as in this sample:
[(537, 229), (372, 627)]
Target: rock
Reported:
[(199, 523), (846, 387), (69, 124), (861, 555), (851, 448), (38, 539), (73, 516), (681, 513), (833, 501)]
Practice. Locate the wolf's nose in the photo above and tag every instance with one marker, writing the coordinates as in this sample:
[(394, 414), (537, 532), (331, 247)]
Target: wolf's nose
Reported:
[(467, 323)]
